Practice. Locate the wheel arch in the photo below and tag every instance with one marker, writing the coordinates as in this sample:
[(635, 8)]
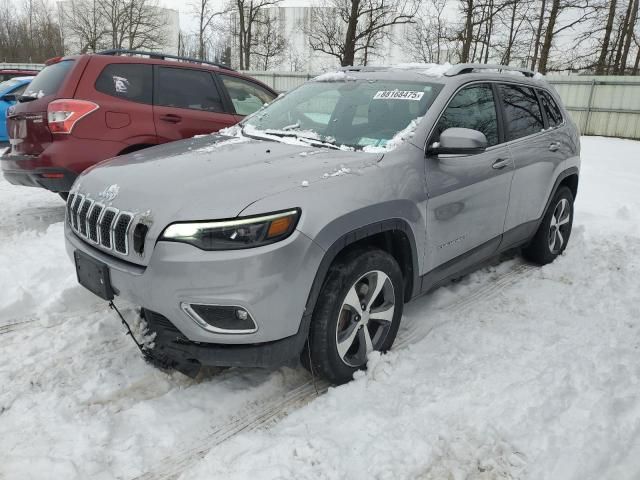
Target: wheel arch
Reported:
[(393, 236)]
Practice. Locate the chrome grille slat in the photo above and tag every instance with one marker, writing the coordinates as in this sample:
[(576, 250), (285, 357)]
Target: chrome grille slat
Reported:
[(105, 227), (92, 222), (82, 216), (121, 233)]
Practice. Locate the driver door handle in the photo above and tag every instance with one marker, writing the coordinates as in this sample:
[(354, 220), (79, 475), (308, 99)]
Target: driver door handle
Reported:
[(500, 163)]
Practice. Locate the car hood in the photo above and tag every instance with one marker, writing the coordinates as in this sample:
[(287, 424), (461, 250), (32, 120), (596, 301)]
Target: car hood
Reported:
[(211, 177)]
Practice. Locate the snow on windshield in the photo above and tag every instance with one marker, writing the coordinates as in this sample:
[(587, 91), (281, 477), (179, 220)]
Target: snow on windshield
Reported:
[(333, 77)]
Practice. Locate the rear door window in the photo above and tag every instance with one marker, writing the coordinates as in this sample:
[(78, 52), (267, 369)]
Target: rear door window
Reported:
[(185, 88), (247, 97), (48, 81), (472, 107), (551, 109), (128, 81), (522, 112)]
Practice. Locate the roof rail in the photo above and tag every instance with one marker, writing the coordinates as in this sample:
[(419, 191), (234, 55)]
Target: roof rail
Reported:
[(162, 56), (462, 68)]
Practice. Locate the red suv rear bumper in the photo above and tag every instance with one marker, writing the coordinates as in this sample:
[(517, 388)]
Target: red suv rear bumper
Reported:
[(57, 167)]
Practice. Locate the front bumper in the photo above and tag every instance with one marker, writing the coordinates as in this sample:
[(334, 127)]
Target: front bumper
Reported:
[(272, 283)]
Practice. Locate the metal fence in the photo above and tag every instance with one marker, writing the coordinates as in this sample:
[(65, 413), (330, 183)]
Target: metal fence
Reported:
[(21, 66), (600, 105)]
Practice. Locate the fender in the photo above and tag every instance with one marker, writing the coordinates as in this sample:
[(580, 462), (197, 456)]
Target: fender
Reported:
[(394, 224)]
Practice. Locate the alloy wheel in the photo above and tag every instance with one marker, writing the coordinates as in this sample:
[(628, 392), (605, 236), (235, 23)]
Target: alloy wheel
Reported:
[(365, 317), (559, 226)]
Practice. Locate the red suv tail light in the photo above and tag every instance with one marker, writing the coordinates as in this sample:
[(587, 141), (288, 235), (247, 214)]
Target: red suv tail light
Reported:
[(62, 115)]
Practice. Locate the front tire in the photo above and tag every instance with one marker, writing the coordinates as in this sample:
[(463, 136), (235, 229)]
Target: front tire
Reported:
[(358, 311), (552, 236)]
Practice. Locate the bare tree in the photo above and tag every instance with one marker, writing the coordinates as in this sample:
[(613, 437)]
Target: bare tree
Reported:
[(247, 12), (84, 21), (429, 37), (269, 43), (206, 13), (28, 34), (133, 24), (346, 28)]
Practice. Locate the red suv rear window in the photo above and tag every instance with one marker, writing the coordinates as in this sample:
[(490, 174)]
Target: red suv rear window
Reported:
[(48, 81)]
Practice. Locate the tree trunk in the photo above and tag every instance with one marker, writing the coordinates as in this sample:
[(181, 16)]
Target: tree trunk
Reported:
[(548, 36), (350, 38), (506, 58), (623, 34), (637, 64), (607, 38), (468, 33), (629, 38), (536, 47), (242, 33), (489, 31)]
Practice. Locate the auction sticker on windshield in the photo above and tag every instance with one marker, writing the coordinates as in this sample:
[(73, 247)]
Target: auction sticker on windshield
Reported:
[(398, 95)]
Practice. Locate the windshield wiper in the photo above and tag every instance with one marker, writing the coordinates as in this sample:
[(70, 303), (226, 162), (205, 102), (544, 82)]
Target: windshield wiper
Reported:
[(311, 141)]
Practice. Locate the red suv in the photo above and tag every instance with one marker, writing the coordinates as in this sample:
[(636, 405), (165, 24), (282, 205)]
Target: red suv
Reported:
[(80, 110)]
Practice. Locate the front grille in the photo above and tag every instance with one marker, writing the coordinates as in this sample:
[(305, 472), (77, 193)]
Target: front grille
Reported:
[(107, 227)]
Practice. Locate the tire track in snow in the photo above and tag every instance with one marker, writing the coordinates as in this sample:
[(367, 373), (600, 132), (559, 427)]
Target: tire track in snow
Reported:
[(21, 322), (270, 411), (33, 219)]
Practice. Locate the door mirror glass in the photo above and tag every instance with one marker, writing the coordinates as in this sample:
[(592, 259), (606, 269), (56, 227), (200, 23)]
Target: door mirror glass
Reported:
[(459, 141)]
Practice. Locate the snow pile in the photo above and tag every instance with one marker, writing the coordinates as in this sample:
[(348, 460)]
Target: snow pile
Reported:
[(397, 140), (338, 172), (428, 69), (513, 372), (340, 76)]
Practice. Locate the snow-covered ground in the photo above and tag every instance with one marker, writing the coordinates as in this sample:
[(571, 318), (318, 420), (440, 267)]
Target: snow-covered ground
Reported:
[(513, 372)]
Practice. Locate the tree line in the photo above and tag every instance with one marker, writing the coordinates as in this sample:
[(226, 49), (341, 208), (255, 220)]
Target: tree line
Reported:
[(595, 36)]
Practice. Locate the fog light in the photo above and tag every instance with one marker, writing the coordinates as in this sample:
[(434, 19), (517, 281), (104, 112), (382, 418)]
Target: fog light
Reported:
[(220, 318)]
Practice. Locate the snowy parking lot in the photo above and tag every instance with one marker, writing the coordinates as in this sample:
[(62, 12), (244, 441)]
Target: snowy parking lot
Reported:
[(514, 371)]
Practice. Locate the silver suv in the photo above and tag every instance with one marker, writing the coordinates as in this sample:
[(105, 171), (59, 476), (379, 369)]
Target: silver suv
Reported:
[(301, 232)]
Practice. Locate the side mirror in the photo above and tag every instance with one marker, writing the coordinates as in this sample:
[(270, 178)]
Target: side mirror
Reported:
[(459, 141), (9, 97)]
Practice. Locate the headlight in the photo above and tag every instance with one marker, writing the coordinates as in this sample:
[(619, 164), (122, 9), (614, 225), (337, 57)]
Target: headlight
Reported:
[(233, 234)]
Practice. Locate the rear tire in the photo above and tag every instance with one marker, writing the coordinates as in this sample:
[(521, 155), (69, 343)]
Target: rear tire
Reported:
[(342, 332), (552, 236)]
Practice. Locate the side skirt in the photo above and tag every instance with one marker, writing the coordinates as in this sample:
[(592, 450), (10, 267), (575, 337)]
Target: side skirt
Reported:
[(470, 261)]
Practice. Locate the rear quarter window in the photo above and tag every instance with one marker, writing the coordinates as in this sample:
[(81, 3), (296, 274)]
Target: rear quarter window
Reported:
[(551, 108), (523, 116), (128, 81), (49, 80)]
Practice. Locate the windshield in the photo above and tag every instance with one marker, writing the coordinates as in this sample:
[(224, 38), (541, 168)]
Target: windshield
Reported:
[(351, 113)]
